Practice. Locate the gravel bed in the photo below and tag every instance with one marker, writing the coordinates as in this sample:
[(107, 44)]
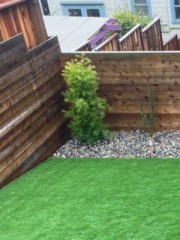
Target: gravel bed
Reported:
[(125, 145)]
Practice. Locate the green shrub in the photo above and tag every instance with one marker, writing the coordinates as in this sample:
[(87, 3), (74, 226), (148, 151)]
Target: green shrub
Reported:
[(128, 20), (87, 110)]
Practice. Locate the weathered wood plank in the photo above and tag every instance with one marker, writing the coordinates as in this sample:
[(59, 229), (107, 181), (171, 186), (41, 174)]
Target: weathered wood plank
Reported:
[(37, 20), (144, 74), (144, 102), (55, 116), (45, 151), (136, 123), (17, 114), (8, 3), (139, 65), (120, 128), (132, 41), (128, 96), (12, 54), (139, 80), (30, 150), (172, 44), (11, 43), (125, 56), (28, 132), (26, 68), (22, 127), (110, 44), (138, 88), (28, 89), (135, 109), (17, 85), (35, 52)]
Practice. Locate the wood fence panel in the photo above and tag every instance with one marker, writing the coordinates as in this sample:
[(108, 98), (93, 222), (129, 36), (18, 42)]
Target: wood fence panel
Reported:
[(19, 60), (123, 82), (110, 44), (152, 36), (172, 44), (11, 43), (31, 107), (16, 19), (132, 41), (22, 17), (86, 47)]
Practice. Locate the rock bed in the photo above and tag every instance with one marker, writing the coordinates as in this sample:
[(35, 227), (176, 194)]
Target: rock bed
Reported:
[(125, 145)]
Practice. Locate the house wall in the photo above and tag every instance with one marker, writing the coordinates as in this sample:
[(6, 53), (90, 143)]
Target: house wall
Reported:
[(110, 5), (160, 8)]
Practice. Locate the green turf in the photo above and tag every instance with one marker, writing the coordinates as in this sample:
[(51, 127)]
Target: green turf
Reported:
[(101, 199)]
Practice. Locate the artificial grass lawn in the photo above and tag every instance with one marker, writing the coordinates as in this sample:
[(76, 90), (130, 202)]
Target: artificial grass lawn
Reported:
[(102, 199)]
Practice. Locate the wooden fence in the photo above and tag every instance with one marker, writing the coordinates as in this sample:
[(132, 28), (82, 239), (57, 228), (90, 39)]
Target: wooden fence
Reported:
[(110, 44), (123, 76), (22, 16), (85, 47), (172, 44), (152, 36), (32, 126), (148, 39), (132, 41)]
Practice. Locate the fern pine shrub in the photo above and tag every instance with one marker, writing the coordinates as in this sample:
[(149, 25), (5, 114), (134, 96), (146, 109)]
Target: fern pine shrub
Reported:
[(128, 20), (87, 110), (148, 119)]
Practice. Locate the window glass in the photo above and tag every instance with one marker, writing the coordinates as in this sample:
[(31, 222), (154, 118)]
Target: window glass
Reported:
[(45, 7), (177, 2), (140, 1), (93, 13), (75, 12), (177, 11), (142, 9), (86, 10)]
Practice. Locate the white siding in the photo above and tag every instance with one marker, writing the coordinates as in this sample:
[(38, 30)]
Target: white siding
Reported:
[(162, 9), (110, 5)]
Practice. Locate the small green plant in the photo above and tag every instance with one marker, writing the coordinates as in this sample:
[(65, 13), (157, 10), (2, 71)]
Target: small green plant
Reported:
[(148, 120), (87, 110), (128, 20)]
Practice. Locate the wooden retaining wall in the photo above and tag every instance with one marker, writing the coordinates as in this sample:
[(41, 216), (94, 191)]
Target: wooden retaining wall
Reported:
[(123, 76), (32, 125)]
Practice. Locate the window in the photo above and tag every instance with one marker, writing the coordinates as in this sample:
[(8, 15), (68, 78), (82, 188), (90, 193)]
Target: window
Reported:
[(143, 6), (93, 12), (45, 7), (75, 12), (85, 10), (175, 11)]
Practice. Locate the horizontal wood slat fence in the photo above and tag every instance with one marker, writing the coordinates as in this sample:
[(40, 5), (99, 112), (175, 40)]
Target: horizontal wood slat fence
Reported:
[(138, 39), (123, 75), (32, 126)]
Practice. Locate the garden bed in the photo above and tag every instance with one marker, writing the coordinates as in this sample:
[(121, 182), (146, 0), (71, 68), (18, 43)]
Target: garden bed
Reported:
[(125, 145)]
